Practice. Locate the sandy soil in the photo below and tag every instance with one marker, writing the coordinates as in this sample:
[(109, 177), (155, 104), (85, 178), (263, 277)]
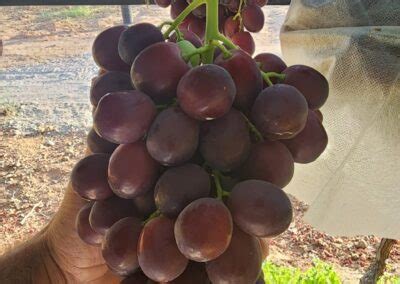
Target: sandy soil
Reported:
[(44, 114)]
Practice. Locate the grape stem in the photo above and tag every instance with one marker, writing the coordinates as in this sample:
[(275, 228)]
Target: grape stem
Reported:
[(238, 14), (225, 51), (153, 215), (199, 50), (268, 75), (182, 16), (217, 180), (253, 129)]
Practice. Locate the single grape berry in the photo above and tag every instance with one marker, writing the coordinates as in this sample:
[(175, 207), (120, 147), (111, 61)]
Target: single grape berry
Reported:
[(96, 144), (309, 144), (260, 208), (158, 254), (119, 248), (312, 84), (231, 26), (109, 82), (280, 112), (177, 7), (197, 26), (195, 273), (83, 228), (163, 3), (203, 229), (157, 71), (136, 38), (206, 92), (124, 117), (89, 177), (253, 18), (105, 50), (179, 186), (132, 171), (173, 137), (245, 41)]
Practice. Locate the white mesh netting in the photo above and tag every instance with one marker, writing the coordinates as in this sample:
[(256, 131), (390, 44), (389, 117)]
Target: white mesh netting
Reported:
[(354, 187)]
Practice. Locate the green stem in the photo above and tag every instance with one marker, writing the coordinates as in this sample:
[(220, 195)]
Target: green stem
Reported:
[(227, 42), (253, 129), (212, 31), (217, 181), (152, 216), (183, 15), (268, 75), (226, 52), (199, 50)]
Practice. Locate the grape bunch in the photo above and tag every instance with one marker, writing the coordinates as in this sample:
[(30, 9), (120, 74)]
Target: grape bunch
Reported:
[(190, 150)]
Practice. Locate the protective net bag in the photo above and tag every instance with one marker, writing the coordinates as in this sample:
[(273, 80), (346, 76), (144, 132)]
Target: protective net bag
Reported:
[(354, 187)]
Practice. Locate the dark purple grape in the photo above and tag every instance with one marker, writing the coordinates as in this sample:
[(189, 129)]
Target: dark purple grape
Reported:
[(145, 204), (270, 63), (199, 12), (136, 278), (206, 92), (231, 26), (85, 232), (197, 26), (253, 18), (269, 161), (157, 70), (132, 171), (309, 144), (280, 112), (233, 5), (177, 7), (112, 81), (203, 229), (173, 137), (245, 74), (312, 84), (124, 117), (195, 273), (240, 263), (136, 38), (189, 36), (120, 244), (158, 253), (96, 144), (163, 3), (260, 208), (245, 41), (106, 213), (179, 186), (105, 50), (89, 177), (225, 142)]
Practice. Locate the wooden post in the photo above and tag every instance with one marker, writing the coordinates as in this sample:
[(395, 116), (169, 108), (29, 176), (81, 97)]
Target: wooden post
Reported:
[(377, 268)]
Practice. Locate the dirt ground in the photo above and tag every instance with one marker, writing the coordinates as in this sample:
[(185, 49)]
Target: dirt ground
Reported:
[(35, 161)]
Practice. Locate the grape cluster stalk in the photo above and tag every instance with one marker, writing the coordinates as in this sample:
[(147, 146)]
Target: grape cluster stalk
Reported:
[(193, 140)]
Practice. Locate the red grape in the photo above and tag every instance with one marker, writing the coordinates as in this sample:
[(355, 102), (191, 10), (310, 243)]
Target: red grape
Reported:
[(270, 63), (163, 3), (203, 229), (245, 74), (206, 92), (106, 213), (85, 232), (177, 7), (231, 26), (199, 12), (318, 113), (158, 253), (269, 161), (145, 204), (96, 144), (112, 81), (179, 186), (157, 70), (312, 84), (136, 38), (120, 243), (280, 112), (253, 18), (197, 26), (173, 137), (105, 50), (195, 273), (260, 208), (309, 144), (189, 36), (124, 117), (240, 263), (132, 171), (225, 142), (89, 177), (245, 41)]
